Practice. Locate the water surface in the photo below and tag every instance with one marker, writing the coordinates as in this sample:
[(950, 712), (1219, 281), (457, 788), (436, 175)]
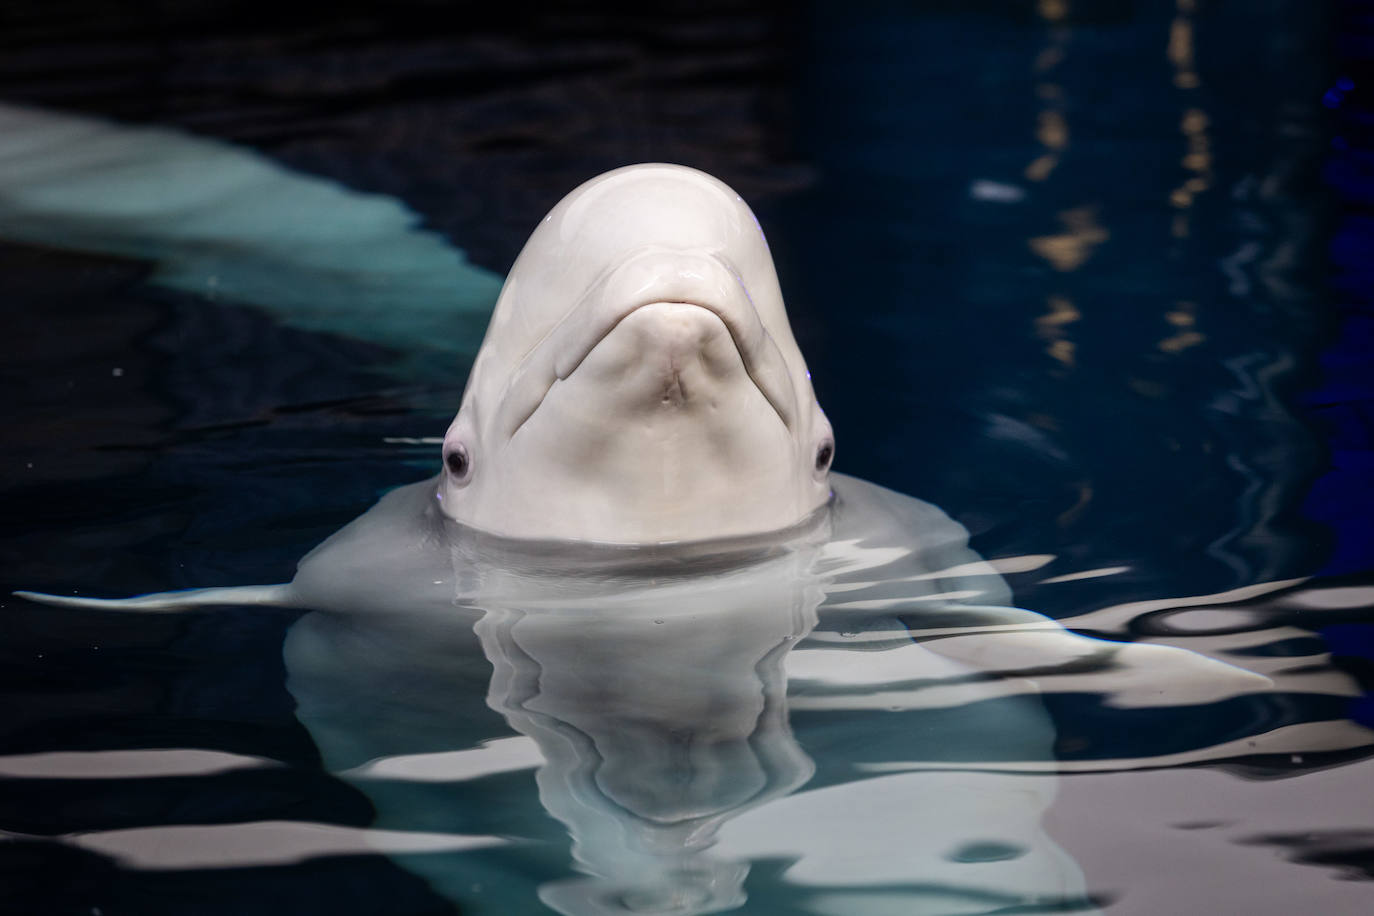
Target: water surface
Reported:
[(1059, 269)]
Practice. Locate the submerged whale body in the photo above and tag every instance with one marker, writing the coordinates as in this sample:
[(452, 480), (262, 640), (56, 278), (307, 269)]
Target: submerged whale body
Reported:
[(637, 575), (221, 221)]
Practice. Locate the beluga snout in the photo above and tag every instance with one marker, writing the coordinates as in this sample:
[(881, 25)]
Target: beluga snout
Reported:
[(665, 356), (639, 382)]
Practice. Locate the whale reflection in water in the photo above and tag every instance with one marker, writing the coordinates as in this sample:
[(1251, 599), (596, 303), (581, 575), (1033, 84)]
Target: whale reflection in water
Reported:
[(652, 684)]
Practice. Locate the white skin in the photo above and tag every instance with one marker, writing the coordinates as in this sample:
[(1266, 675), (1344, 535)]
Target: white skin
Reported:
[(639, 382)]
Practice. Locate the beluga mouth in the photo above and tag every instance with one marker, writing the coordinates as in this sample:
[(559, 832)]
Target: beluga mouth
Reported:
[(639, 382)]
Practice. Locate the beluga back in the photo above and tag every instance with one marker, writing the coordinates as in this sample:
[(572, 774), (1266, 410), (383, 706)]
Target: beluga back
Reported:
[(639, 382)]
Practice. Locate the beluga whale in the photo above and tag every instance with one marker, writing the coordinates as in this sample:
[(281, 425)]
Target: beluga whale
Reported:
[(637, 574)]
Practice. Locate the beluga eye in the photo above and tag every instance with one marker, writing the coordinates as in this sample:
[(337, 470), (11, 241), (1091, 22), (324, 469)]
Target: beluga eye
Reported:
[(458, 463), (824, 455)]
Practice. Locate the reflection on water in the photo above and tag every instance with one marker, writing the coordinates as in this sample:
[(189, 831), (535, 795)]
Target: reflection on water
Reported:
[(1077, 339), (659, 713), (858, 703)]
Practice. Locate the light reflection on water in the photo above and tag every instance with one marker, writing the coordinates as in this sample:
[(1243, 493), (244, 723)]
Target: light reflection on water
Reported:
[(1104, 320)]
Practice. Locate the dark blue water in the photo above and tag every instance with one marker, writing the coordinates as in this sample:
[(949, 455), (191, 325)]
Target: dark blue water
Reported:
[(1089, 277)]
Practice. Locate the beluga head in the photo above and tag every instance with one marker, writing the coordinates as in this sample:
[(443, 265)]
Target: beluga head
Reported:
[(639, 382)]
